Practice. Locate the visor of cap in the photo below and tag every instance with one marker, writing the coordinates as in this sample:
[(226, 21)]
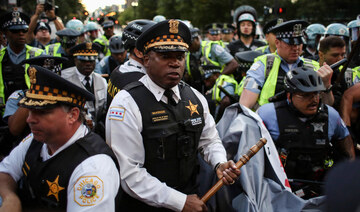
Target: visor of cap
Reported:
[(86, 58), (19, 27), (293, 41)]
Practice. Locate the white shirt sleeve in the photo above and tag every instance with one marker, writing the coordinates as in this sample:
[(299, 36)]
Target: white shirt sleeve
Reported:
[(210, 145), (123, 134), (13, 163), (93, 185)]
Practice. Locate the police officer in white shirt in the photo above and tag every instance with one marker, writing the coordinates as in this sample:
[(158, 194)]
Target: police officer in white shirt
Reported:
[(157, 125), (61, 165)]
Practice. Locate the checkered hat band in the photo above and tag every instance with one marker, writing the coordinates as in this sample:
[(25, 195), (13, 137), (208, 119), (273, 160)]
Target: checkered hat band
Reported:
[(165, 40), (86, 52), (54, 94), (12, 23), (286, 35)]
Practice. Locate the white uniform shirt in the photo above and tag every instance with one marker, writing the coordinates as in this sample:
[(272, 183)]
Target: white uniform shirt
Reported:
[(123, 134), (98, 170), (132, 66)]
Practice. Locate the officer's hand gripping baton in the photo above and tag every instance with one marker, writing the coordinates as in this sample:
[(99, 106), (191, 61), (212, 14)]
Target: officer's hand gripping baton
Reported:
[(242, 161)]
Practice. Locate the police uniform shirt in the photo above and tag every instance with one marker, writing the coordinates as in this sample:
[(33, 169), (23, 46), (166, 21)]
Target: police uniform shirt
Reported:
[(257, 73), (16, 58), (336, 127), (220, 55), (102, 66), (127, 125), (132, 66), (12, 103), (83, 80), (98, 167)]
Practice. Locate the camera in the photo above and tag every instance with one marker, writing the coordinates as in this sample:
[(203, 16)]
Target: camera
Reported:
[(47, 4)]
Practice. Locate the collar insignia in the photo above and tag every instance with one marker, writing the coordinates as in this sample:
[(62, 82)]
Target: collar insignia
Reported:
[(54, 188), (174, 26), (192, 108)]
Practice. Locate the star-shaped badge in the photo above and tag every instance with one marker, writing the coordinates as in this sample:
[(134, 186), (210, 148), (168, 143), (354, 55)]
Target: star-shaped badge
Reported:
[(192, 108), (54, 188)]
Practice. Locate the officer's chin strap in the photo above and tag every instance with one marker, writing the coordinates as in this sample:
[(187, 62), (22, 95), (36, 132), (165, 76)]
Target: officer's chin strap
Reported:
[(298, 113)]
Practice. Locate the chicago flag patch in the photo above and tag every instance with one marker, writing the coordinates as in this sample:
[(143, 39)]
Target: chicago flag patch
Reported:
[(117, 113)]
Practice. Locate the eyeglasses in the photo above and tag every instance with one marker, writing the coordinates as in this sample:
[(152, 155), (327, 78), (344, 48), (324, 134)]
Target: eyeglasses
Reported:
[(308, 96), (106, 28), (18, 30)]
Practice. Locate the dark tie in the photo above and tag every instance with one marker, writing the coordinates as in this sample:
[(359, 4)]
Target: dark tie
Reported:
[(87, 84), (169, 94)]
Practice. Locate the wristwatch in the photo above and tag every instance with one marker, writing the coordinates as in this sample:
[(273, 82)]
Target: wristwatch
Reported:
[(328, 89)]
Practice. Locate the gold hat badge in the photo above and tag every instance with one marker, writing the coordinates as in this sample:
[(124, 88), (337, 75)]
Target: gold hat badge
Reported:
[(174, 26)]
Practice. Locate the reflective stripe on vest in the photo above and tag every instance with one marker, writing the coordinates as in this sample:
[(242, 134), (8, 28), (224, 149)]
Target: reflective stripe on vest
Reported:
[(52, 49), (205, 51)]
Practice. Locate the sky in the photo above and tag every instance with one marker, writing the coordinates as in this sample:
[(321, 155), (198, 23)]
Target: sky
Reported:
[(92, 5)]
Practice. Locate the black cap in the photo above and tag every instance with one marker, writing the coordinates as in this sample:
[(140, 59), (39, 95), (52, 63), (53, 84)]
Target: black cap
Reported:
[(213, 29), (227, 28), (86, 51), (14, 20), (165, 36), (107, 24), (291, 32), (48, 90), (209, 70), (49, 62), (42, 25), (271, 24)]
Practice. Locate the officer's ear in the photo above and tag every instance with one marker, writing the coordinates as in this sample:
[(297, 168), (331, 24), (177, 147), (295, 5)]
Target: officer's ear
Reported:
[(146, 59), (74, 114)]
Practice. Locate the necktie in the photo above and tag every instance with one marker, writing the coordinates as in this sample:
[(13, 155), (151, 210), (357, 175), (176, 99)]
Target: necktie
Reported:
[(87, 84), (169, 94)]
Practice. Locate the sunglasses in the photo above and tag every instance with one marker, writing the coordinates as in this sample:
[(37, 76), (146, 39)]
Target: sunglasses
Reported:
[(15, 31), (106, 28)]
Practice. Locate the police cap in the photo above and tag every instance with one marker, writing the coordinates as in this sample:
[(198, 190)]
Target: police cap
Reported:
[(107, 24), (48, 90), (14, 20), (49, 62), (291, 32), (209, 70), (213, 29), (227, 28), (165, 36), (86, 51), (271, 24), (42, 25)]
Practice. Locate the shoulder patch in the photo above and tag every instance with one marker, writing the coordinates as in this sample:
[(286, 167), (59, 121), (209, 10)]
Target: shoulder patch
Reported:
[(219, 49), (15, 95), (117, 113), (254, 66), (88, 190)]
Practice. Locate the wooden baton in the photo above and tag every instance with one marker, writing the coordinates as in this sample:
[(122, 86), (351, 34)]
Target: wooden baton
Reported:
[(242, 161)]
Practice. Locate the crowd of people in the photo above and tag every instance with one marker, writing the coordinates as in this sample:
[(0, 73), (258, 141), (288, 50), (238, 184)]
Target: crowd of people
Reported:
[(149, 119)]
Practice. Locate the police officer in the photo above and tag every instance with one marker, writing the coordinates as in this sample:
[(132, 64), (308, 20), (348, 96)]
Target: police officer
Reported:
[(265, 77), (14, 76), (82, 75), (313, 34), (42, 36), (213, 32), (208, 53), (117, 57), (339, 30), (245, 19), (354, 30), (159, 18), (68, 39), (158, 167), (306, 131), (133, 69), (103, 41), (61, 163), (270, 36)]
